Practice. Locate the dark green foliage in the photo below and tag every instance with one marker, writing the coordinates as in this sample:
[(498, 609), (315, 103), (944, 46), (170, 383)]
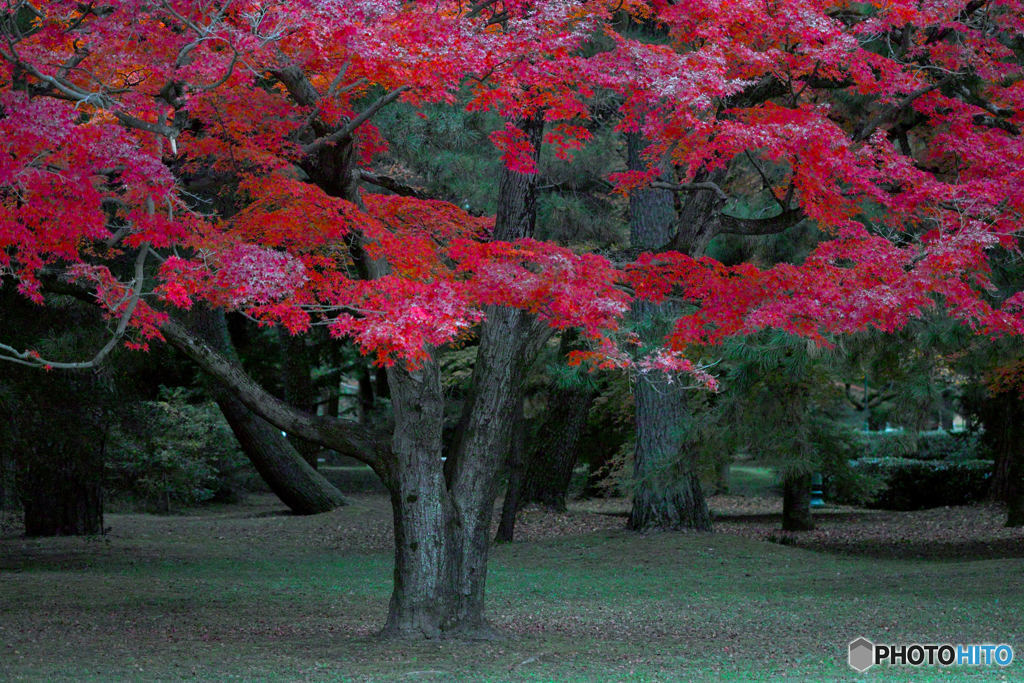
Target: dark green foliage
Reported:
[(447, 154), (175, 453), (924, 446), (908, 484), (609, 439)]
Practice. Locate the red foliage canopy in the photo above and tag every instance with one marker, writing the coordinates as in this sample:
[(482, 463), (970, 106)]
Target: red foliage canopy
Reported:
[(896, 126)]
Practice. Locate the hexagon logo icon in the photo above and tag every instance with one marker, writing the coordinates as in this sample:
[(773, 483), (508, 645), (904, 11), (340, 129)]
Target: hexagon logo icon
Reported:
[(862, 654)]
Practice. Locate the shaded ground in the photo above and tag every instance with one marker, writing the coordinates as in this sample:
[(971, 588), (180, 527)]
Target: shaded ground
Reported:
[(248, 592)]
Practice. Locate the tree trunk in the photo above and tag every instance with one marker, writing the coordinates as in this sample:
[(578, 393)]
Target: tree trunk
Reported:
[(297, 381), (516, 474), (442, 513), (1002, 416), (668, 492), (304, 490), (58, 436), (1015, 495), (796, 502), (425, 593), (542, 471), (61, 489), (553, 455), (1014, 488), (509, 342)]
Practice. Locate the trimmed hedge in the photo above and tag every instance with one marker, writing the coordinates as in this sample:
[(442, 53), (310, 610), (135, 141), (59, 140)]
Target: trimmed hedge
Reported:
[(914, 484)]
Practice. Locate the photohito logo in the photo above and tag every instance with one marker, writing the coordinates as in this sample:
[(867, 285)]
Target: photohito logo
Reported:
[(864, 654)]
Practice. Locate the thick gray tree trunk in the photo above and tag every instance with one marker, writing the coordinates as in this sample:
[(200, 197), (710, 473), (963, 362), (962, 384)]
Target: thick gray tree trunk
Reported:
[(304, 490), (667, 491)]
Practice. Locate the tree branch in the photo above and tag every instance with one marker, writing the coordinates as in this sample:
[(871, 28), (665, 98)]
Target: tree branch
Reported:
[(690, 187), (733, 225), (31, 359), (389, 183), (345, 436), (349, 128)]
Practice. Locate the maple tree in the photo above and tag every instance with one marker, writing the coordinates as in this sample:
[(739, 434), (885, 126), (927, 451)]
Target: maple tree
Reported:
[(171, 154)]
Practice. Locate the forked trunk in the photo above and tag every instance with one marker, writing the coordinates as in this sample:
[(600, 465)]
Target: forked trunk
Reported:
[(440, 558)]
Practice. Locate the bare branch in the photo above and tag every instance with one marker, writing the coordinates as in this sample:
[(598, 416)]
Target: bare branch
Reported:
[(349, 128), (31, 359)]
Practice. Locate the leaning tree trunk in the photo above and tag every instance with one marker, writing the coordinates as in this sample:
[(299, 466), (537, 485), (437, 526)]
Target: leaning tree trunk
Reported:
[(796, 502), (668, 492), (304, 490)]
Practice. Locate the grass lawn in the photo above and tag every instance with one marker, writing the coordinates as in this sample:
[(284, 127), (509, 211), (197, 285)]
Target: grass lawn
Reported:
[(245, 593), (750, 480)]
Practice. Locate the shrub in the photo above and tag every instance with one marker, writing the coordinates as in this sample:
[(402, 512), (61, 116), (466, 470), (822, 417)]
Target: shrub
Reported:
[(173, 452), (937, 445), (889, 445), (913, 484)]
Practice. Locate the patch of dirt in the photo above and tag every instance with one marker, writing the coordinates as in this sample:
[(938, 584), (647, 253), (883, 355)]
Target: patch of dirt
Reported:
[(364, 526), (946, 533), (953, 533)]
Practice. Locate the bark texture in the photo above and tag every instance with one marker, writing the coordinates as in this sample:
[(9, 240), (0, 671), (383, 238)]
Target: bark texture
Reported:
[(541, 471), (668, 492), (304, 490)]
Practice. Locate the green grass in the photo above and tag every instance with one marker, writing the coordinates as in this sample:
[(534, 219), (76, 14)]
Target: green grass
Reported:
[(748, 480), (605, 606)]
